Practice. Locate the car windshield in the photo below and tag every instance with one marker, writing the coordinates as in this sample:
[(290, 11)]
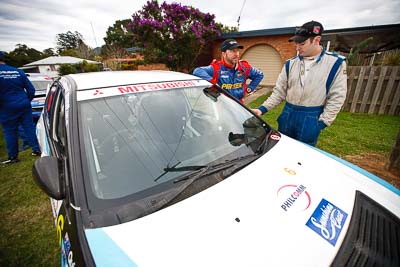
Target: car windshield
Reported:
[(134, 142)]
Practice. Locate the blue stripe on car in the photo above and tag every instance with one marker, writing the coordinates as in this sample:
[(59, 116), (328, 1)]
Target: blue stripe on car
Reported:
[(47, 147), (105, 251), (362, 171)]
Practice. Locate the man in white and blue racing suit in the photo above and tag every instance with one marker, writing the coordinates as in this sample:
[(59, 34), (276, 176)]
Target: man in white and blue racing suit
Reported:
[(314, 85), (16, 93), (230, 73)]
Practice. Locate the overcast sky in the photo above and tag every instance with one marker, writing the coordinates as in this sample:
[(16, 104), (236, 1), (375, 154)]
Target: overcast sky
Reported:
[(37, 22)]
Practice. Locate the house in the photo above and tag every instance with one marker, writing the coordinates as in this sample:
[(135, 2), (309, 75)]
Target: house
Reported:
[(50, 65), (268, 49)]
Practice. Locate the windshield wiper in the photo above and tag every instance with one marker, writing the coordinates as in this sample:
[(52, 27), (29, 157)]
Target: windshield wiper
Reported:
[(206, 171), (185, 168), (180, 169)]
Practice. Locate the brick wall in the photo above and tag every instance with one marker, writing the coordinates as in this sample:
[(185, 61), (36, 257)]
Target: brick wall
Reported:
[(279, 42)]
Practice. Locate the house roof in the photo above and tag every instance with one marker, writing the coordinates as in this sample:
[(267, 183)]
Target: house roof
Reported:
[(264, 32), (369, 39), (382, 37), (57, 60)]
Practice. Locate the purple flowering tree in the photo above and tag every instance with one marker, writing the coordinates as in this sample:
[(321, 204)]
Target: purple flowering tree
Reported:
[(173, 34)]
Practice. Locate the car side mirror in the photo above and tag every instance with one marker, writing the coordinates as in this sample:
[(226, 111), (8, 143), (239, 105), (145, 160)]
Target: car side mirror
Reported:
[(212, 92), (47, 176)]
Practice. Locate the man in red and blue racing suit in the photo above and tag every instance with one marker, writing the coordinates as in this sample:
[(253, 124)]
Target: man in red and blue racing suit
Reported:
[(230, 73)]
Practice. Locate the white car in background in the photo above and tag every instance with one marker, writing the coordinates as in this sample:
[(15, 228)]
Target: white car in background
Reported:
[(42, 83), (157, 168)]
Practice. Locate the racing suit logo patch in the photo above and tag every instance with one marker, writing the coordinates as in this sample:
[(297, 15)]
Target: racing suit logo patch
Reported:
[(230, 86)]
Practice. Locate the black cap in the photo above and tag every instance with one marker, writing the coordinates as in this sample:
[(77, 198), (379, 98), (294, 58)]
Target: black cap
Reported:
[(309, 29), (230, 44)]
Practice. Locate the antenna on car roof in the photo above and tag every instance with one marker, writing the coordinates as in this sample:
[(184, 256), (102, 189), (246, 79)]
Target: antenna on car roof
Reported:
[(95, 40), (240, 13)]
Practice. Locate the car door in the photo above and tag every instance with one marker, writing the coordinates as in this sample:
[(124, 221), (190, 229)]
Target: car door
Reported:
[(63, 210), (54, 120)]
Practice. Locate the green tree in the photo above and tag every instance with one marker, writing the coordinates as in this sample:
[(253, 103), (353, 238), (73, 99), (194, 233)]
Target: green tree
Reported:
[(83, 66), (68, 40), (72, 44), (227, 29), (119, 34), (69, 52), (48, 52), (118, 38), (173, 34), (66, 69), (22, 55)]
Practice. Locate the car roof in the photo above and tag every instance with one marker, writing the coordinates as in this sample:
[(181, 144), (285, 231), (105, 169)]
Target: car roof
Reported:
[(103, 79)]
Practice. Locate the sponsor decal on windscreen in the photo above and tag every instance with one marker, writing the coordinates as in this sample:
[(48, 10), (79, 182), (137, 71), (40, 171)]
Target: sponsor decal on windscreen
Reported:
[(274, 137), (327, 221), (137, 88)]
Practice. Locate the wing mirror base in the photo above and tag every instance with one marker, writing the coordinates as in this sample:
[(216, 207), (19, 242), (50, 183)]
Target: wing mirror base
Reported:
[(47, 176)]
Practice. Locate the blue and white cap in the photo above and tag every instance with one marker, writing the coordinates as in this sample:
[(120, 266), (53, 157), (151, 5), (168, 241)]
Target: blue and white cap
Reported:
[(230, 44)]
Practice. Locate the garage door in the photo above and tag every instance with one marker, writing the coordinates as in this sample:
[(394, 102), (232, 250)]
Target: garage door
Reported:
[(266, 59)]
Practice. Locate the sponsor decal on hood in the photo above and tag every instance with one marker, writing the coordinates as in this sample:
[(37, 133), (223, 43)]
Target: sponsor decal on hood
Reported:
[(327, 221), (294, 197)]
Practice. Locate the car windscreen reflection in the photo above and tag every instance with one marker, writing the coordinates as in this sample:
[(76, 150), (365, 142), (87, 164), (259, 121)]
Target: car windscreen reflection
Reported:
[(139, 141)]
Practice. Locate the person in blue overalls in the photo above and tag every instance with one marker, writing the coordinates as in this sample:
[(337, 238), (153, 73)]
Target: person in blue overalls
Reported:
[(230, 73), (314, 85), (25, 142), (16, 93)]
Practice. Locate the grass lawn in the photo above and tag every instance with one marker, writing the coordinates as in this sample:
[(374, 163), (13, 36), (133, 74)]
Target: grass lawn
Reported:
[(27, 232), (350, 133)]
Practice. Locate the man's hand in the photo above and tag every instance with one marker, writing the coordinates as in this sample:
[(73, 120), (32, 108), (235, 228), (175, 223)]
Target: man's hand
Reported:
[(257, 111)]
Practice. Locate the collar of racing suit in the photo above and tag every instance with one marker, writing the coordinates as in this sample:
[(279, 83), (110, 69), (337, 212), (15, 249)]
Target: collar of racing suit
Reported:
[(233, 67), (229, 66), (319, 57)]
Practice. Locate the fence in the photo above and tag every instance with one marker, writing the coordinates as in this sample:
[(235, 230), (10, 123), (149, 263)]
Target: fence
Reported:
[(371, 59), (373, 90)]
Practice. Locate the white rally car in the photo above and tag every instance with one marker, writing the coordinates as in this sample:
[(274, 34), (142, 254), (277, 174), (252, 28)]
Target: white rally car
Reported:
[(157, 168)]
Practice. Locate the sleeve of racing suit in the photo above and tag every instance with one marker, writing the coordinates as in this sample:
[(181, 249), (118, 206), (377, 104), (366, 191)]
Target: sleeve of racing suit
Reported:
[(206, 72), (256, 77), (30, 90), (278, 93), (336, 96)]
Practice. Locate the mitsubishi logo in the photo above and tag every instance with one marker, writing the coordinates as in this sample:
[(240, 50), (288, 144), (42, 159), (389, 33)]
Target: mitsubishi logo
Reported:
[(97, 92)]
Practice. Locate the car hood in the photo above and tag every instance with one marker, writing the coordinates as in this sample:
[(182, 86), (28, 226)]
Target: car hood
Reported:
[(292, 206)]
